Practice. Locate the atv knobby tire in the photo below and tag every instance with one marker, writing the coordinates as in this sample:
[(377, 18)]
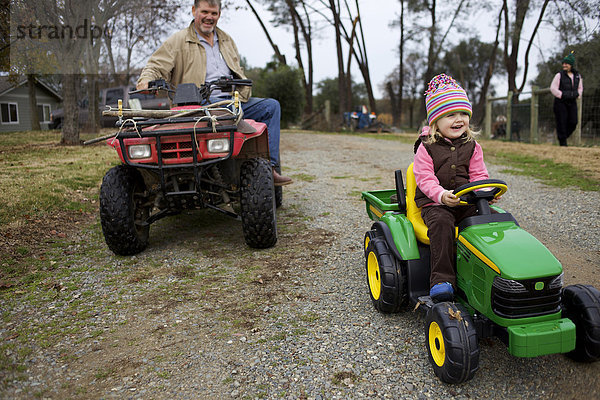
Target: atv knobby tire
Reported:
[(451, 341), (385, 277), (257, 203), (122, 211), (278, 191), (581, 304)]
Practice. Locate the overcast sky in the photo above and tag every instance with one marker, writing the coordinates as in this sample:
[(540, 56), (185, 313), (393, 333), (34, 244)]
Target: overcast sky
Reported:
[(382, 41)]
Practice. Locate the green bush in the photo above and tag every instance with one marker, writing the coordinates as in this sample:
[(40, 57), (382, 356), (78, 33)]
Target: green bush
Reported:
[(282, 83)]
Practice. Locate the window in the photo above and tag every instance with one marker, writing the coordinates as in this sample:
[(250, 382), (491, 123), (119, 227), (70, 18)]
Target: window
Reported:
[(43, 113), (113, 95), (10, 113)]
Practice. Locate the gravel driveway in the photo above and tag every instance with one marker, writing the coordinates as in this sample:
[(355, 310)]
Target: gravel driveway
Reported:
[(199, 315)]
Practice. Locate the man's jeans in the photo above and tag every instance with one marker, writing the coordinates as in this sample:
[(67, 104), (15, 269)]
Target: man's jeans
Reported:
[(267, 111)]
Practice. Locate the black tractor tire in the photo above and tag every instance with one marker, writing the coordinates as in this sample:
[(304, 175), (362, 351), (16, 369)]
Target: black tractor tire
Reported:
[(385, 277), (451, 341), (369, 235), (581, 304), (122, 210), (257, 203)]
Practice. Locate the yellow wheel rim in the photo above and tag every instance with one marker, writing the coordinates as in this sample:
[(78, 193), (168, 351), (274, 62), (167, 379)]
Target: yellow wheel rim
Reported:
[(367, 241), (373, 275), (436, 344)]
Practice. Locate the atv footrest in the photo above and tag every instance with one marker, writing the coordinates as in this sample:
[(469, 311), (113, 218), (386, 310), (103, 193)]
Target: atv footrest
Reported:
[(537, 339)]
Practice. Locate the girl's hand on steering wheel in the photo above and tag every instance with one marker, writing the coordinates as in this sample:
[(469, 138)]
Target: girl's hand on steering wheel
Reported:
[(495, 200), (450, 199)]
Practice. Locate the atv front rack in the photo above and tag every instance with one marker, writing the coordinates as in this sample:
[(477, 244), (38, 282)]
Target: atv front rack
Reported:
[(157, 129)]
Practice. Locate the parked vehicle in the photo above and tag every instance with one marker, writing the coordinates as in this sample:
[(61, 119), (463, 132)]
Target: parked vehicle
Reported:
[(110, 97), (196, 155), (509, 285)]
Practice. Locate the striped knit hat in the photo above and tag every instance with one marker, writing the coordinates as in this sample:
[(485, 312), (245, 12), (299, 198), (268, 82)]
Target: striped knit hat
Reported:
[(445, 96)]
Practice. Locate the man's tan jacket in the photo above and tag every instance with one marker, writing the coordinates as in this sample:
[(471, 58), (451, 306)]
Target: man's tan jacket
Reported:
[(182, 59)]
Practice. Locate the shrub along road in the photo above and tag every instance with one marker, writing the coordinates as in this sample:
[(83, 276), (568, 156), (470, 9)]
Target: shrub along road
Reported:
[(200, 315)]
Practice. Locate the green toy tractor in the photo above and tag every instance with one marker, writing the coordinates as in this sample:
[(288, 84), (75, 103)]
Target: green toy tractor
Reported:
[(509, 285)]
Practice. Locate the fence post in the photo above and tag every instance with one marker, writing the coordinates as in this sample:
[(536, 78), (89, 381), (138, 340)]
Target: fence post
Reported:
[(577, 133), (488, 118), (534, 135), (509, 97), (327, 113)]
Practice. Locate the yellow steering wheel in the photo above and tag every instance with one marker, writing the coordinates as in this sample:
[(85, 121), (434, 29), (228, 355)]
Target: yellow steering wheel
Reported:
[(473, 191)]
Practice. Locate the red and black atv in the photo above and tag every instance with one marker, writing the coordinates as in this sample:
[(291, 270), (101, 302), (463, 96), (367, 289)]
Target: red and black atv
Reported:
[(196, 155)]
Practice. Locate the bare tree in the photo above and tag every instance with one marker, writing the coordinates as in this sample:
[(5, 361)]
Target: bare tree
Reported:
[(575, 20), (303, 24), (280, 57), (357, 49), (295, 14), (65, 31), (343, 79), (136, 31), (512, 40), (490, 71), (396, 96), (436, 39), (35, 120)]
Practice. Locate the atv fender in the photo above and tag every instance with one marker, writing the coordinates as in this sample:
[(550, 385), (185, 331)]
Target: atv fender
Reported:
[(399, 235), (258, 146)]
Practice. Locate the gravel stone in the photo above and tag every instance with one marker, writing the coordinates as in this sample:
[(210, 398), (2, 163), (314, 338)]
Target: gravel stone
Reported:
[(319, 337)]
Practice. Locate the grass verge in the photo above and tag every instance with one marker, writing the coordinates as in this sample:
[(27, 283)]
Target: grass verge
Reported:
[(541, 167), (551, 173)]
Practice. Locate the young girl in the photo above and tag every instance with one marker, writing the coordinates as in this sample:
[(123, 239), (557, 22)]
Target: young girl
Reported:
[(446, 157)]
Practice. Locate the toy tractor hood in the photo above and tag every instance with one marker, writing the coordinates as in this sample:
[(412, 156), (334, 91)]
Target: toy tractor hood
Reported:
[(510, 251)]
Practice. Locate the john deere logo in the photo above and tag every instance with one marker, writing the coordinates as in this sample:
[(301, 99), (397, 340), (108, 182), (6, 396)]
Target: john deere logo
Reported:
[(539, 285)]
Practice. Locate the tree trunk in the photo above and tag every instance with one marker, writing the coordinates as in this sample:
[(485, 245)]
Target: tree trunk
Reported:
[(344, 101), (278, 54), (70, 128), (364, 64), (522, 6), (480, 106), (431, 56), (93, 107), (398, 114), (35, 120), (393, 102), (295, 25)]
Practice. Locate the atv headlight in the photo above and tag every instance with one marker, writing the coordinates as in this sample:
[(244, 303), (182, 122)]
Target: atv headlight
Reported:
[(218, 145), (138, 151), (508, 285)]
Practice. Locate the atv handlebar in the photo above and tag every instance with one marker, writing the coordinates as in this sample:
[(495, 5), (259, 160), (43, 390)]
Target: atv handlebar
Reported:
[(154, 87), (224, 84)]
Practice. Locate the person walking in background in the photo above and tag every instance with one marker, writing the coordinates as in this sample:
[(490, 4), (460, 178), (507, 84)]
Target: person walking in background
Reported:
[(566, 87)]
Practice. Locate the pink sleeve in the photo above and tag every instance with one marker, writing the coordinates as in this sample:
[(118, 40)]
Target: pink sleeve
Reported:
[(477, 169), (425, 176), (580, 88), (555, 85)]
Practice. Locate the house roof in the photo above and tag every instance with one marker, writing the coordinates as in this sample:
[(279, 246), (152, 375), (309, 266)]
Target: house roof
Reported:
[(7, 85)]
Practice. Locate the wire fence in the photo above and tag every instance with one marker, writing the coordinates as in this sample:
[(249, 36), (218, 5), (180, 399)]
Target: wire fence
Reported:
[(531, 118)]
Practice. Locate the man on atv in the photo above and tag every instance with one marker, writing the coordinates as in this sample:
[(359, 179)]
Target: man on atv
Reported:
[(202, 53)]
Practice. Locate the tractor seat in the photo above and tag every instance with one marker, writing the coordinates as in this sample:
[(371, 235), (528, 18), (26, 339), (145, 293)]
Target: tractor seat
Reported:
[(413, 213)]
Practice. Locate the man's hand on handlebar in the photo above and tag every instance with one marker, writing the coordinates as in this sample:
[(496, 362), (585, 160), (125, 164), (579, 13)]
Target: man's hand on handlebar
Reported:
[(142, 85)]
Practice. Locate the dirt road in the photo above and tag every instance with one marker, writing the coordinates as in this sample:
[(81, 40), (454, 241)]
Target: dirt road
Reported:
[(198, 315)]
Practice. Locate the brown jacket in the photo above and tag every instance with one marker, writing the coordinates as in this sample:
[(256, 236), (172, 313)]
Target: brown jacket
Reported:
[(182, 59), (450, 163)]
